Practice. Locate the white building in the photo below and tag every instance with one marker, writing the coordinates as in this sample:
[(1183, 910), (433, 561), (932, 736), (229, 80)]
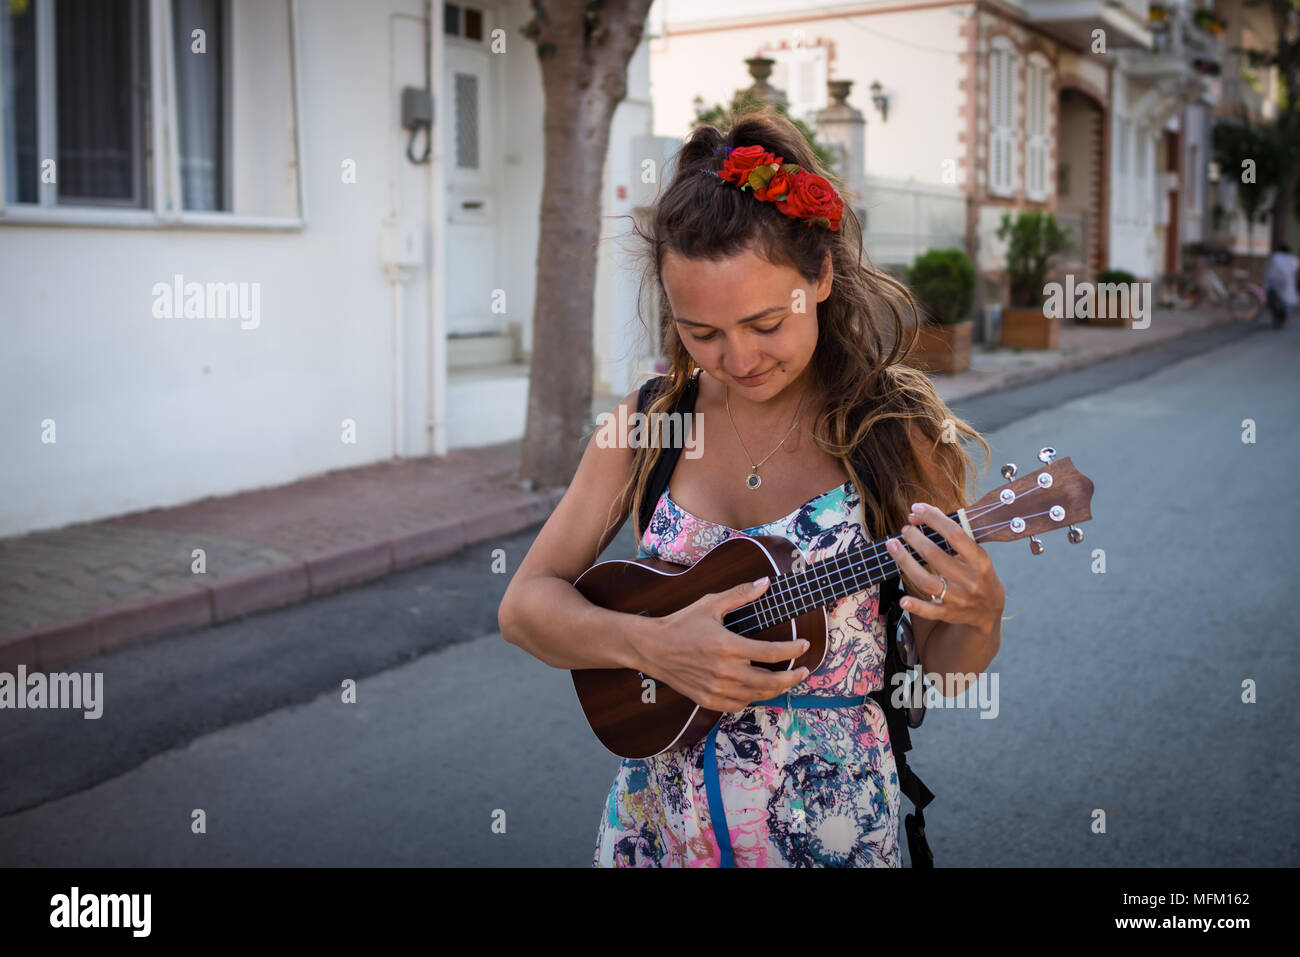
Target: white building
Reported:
[(340, 300), (974, 108)]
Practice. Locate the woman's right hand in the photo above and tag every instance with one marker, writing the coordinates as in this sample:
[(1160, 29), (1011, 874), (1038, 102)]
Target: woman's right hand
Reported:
[(694, 654)]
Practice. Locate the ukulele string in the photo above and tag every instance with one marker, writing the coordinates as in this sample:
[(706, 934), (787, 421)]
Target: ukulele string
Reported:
[(794, 583), (876, 566), (793, 597), (877, 559)]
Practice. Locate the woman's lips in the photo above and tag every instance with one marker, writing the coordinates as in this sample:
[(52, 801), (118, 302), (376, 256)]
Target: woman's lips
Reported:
[(754, 379)]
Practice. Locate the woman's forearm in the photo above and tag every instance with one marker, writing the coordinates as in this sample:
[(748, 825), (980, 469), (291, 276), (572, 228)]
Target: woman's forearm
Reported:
[(548, 618), (956, 652)]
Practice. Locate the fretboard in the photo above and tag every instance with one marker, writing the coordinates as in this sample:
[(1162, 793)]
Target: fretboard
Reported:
[(823, 584)]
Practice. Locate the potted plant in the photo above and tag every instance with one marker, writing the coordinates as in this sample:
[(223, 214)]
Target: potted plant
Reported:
[(1102, 315), (943, 283), (1034, 237)]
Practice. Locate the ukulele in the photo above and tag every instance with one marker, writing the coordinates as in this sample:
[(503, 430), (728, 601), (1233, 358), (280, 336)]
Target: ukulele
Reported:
[(637, 716)]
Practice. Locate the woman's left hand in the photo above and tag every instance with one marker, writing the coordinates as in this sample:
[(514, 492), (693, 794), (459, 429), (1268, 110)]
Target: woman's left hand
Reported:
[(974, 595)]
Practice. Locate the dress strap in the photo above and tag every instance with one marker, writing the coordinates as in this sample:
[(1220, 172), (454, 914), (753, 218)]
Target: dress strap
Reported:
[(713, 790)]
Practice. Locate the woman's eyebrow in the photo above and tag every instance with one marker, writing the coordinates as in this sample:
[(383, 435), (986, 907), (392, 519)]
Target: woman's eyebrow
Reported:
[(757, 315)]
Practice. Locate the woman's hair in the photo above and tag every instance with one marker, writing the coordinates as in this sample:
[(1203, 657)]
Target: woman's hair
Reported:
[(861, 326)]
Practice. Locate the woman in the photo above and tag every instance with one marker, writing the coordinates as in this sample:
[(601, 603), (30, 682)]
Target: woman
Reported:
[(796, 343)]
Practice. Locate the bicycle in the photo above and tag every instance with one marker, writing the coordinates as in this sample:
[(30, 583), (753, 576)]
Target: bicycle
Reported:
[(1185, 290)]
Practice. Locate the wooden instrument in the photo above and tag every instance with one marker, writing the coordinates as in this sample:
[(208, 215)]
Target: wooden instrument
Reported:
[(635, 715)]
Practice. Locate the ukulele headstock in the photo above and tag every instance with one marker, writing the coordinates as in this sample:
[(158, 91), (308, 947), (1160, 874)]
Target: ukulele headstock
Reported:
[(1050, 497)]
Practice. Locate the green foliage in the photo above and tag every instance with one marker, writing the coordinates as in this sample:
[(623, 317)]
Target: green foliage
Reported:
[(744, 102), (1239, 140), (943, 282), (1034, 237), (1116, 276)]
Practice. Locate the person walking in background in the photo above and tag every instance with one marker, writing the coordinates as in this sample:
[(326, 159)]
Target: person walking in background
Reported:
[(1280, 283)]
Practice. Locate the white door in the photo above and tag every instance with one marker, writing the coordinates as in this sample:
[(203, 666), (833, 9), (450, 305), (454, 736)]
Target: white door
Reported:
[(473, 158)]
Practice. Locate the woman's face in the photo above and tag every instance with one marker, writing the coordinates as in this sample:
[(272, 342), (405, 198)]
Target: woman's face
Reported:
[(746, 322)]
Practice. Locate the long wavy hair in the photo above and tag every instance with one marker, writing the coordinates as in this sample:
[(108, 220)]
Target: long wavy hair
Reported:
[(866, 327)]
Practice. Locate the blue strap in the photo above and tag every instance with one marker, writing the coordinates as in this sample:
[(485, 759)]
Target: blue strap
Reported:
[(717, 813)]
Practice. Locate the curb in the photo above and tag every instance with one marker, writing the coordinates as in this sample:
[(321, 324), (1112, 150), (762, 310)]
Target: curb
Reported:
[(313, 576), (1029, 376)]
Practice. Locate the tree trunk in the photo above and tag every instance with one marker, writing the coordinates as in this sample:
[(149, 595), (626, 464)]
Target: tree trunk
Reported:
[(584, 77)]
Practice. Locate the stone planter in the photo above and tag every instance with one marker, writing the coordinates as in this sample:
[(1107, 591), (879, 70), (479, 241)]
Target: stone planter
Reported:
[(943, 348), (1029, 329)]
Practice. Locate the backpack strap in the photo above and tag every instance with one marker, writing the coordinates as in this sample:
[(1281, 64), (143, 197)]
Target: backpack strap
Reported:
[(669, 454), (891, 591)]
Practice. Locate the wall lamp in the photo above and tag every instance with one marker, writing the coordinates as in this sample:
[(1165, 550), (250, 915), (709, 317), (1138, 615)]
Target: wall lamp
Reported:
[(880, 99)]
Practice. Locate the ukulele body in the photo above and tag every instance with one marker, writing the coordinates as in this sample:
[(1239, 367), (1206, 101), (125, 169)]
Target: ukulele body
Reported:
[(636, 715)]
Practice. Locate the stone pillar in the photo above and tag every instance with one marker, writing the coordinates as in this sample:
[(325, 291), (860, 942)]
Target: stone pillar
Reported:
[(760, 68), (844, 130)]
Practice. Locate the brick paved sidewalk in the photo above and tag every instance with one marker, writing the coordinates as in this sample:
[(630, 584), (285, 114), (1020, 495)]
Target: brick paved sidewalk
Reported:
[(75, 591), (85, 588)]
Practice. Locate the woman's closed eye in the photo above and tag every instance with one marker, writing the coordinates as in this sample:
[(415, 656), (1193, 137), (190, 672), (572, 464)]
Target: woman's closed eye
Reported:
[(768, 331)]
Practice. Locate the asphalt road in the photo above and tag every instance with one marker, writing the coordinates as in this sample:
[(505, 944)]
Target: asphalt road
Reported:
[(1119, 691)]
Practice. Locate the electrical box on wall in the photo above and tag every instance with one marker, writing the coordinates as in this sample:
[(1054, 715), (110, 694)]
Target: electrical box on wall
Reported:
[(401, 243)]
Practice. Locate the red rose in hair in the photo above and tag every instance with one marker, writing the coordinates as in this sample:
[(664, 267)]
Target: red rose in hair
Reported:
[(743, 159), (776, 187), (813, 198)]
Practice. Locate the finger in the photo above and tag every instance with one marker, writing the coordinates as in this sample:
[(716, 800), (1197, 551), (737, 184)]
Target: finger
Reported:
[(738, 595), (782, 682), (755, 649), (962, 544), (924, 609), (765, 684), (933, 557), (912, 570)]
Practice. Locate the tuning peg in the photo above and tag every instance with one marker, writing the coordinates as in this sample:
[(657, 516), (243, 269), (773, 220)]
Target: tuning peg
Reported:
[(1035, 545), (1009, 471), (1045, 455), (1075, 535)]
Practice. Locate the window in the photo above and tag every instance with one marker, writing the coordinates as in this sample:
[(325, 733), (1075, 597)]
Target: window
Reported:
[(18, 81), (76, 102), (461, 21), (199, 45), (801, 74), (467, 120), (1124, 184), (1002, 133), (1038, 146), (1141, 182), (94, 117)]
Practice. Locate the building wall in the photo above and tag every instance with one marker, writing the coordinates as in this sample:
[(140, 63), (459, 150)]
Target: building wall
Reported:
[(915, 53), (153, 412)]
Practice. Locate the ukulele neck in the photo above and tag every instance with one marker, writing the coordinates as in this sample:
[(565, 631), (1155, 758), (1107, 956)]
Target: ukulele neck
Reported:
[(824, 584)]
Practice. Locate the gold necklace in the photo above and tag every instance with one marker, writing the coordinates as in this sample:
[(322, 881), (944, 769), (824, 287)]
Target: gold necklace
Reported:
[(752, 480)]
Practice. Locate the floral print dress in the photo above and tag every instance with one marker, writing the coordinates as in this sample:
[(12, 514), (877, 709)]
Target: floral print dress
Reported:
[(801, 787)]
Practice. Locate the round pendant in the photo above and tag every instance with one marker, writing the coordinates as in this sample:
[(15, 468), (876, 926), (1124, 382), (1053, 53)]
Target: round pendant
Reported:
[(753, 481)]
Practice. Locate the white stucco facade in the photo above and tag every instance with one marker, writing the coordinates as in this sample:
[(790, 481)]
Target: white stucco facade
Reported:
[(112, 408)]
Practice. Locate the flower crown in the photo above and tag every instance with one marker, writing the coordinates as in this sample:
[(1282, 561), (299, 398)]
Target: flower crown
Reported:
[(796, 192)]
